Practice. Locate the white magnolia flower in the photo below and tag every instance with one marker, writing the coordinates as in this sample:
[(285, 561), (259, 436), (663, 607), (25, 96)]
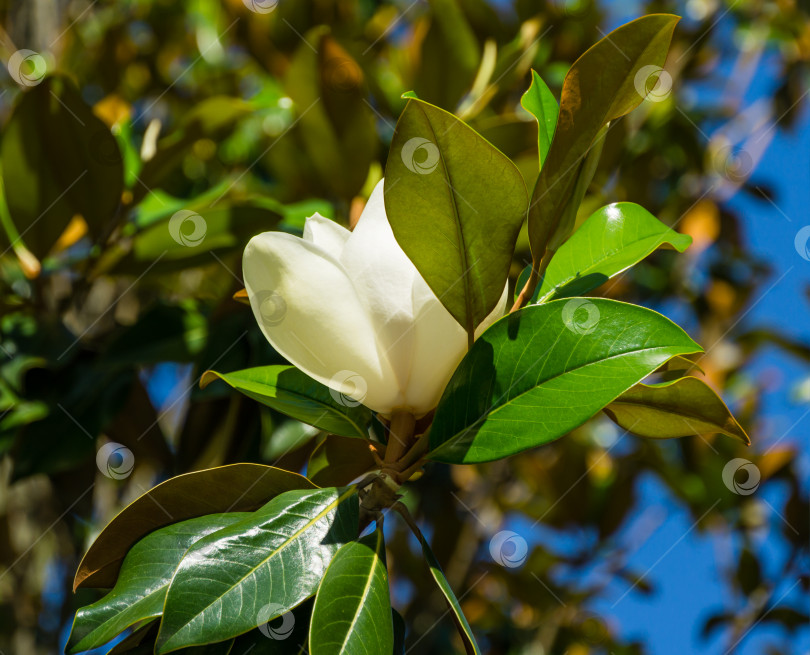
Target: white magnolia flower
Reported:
[(351, 311)]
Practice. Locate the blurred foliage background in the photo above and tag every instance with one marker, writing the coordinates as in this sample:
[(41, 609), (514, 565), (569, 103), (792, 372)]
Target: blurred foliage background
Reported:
[(256, 114)]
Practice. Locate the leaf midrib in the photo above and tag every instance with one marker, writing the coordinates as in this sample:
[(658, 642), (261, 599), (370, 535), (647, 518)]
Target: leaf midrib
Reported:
[(375, 562), (264, 561), (483, 418), (465, 268)]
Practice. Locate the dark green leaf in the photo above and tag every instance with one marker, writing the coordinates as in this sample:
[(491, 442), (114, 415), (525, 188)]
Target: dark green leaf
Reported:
[(236, 487), (141, 588), (537, 374), (540, 102), (352, 612), (456, 205), (291, 392), (610, 241), (256, 569), (600, 87), (58, 160), (683, 407), (339, 460)]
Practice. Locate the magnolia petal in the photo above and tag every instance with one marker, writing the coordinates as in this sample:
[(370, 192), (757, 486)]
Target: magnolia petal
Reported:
[(310, 312), (440, 345), (384, 277), (326, 233), (495, 314)]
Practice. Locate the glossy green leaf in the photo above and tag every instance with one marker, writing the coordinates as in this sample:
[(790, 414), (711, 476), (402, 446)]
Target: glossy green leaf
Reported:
[(339, 460), (683, 407), (540, 102), (290, 391), (537, 374), (257, 569), (58, 160), (141, 588), (463, 626), (600, 87), (231, 488), (610, 241), (352, 612), (455, 204)]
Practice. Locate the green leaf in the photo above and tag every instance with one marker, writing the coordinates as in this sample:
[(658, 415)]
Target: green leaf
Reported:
[(236, 487), (339, 460), (58, 160), (141, 588), (683, 407), (291, 392), (352, 612), (455, 204), (537, 374), (540, 102), (610, 241), (600, 87), (257, 569), (463, 626)]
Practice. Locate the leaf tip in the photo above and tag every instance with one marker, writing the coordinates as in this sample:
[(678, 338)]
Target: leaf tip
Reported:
[(241, 296), (208, 377)]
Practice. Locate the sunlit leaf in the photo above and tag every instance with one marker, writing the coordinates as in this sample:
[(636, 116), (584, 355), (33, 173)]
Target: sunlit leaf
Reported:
[(141, 588), (610, 241), (256, 569), (540, 102), (352, 612), (537, 374), (289, 391)]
